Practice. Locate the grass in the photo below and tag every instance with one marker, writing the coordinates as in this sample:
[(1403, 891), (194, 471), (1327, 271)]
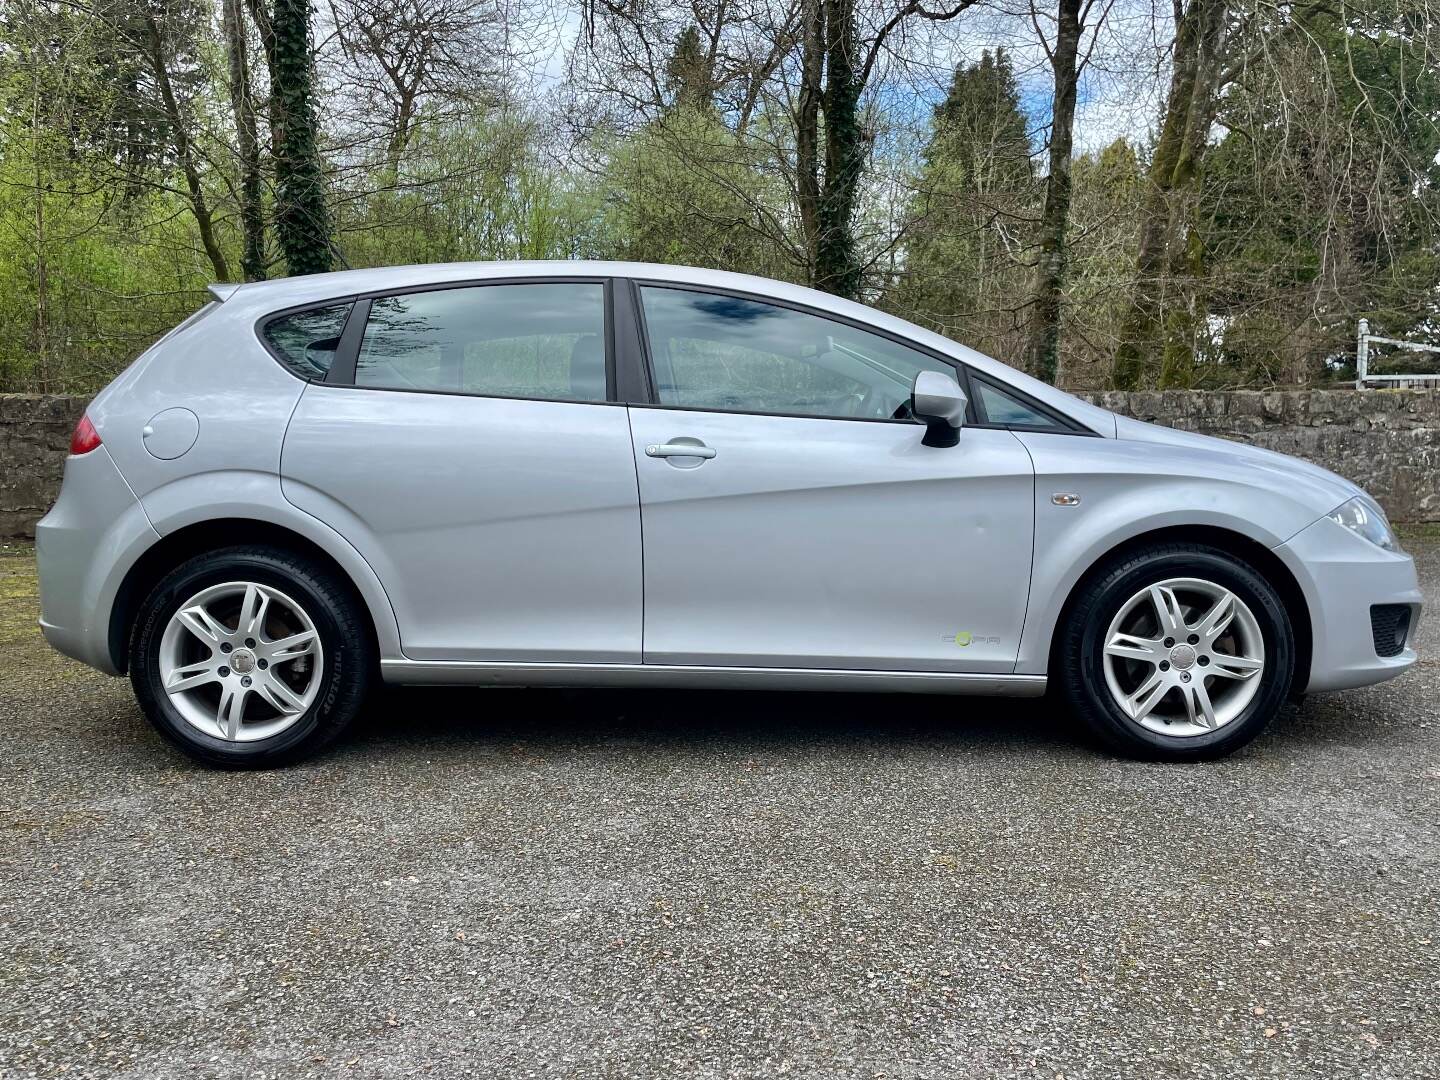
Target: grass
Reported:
[(19, 594)]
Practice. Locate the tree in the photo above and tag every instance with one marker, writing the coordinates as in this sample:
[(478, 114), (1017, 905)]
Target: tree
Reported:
[(302, 219), (1072, 19), (836, 66), (807, 63), (247, 140), (1321, 203), (155, 41), (963, 268), (690, 73), (1158, 339), (401, 60)]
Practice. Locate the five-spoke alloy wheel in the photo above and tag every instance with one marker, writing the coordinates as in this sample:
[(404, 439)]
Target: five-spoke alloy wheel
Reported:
[(1184, 656), (241, 661), (1176, 652), (251, 657)]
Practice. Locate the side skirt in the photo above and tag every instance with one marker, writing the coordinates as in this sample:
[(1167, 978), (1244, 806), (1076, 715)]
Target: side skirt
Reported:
[(488, 673)]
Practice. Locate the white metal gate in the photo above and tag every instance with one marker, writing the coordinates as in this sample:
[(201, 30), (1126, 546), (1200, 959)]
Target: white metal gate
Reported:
[(1364, 339)]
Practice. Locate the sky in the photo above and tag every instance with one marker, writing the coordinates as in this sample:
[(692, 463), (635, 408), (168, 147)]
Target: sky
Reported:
[(1119, 95)]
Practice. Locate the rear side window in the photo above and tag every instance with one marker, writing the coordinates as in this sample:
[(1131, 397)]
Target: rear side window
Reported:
[(545, 340), (306, 340)]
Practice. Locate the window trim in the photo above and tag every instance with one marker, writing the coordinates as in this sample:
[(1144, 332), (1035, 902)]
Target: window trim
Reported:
[(974, 416), (342, 368), (352, 335)]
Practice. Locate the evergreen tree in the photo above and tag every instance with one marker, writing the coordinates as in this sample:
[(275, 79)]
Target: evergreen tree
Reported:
[(690, 73), (963, 270), (1320, 205)]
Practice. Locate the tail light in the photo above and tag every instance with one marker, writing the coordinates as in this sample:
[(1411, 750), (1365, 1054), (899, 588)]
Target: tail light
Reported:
[(85, 438)]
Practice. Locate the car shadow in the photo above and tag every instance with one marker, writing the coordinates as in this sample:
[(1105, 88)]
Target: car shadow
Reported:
[(449, 717)]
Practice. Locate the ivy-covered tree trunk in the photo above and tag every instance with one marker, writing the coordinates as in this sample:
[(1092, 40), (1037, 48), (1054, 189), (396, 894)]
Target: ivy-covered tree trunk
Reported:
[(1043, 354), (302, 221), (247, 143), (837, 269), (830, 153), (1157, 340)]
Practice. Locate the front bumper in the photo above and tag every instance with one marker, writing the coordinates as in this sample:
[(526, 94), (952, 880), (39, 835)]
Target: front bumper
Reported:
[(93, 533), (1343, 576)]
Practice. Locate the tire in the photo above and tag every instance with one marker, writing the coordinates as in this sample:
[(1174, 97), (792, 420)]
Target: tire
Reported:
[(305, 657), (1123, 680)]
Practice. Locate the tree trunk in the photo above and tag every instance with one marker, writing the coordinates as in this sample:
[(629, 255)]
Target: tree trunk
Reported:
[(836, 268), (1044, 348), (41, 324), (807, 136), (184, 152), (1158, 332), (247, 140), (302, 220)]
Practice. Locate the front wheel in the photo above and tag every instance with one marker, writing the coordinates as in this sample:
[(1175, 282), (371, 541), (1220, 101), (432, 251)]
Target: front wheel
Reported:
[(250, 657), (1177, 653)]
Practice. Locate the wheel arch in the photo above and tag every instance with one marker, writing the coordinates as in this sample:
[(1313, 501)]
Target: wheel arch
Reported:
[(1265, 561), (210, 535)]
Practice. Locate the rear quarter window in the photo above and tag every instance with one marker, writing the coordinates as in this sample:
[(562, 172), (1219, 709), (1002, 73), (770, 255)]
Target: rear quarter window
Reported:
[(305, 341)]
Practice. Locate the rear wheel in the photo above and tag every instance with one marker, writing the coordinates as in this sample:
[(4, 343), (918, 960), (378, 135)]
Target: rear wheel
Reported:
[(250, 657), (1177, 653)]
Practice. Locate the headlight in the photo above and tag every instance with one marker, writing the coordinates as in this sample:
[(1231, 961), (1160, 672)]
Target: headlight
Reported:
[(1364, 516)]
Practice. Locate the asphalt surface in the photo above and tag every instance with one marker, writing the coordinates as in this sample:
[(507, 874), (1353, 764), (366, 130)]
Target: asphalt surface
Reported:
[(603, 884)]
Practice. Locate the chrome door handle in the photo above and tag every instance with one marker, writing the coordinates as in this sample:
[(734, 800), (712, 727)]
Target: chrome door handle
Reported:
[(679, 449)]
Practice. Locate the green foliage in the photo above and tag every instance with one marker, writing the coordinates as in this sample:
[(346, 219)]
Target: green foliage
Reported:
[(968, 225), (1316, 202), (689, 190), (469, 191), (689, 74), (80, 297), (1320, 204)]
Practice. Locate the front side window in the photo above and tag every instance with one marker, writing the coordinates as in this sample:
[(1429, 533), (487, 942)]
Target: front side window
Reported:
[(712, 351), (1006, 410), (545, 340), (305, 341)]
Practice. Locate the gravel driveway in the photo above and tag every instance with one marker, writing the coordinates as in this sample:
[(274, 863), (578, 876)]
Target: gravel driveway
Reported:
[(500, 883)]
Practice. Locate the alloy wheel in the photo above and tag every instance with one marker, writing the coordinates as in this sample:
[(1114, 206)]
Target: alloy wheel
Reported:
[(1184, 657), (241, 661)]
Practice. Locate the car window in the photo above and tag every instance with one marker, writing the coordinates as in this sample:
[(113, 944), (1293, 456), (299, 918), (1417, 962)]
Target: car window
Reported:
[(306, 340), (712, 351), (545, 340), (1001, 408)]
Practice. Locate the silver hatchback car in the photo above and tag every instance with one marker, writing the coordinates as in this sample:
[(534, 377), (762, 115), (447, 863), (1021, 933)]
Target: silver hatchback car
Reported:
[(602, 474)]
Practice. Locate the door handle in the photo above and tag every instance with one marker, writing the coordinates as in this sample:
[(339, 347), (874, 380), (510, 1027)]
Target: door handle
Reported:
[(679, 449)]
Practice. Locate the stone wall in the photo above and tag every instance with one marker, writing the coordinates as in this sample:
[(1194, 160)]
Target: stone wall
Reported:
[(1386, 440), (34, 437)]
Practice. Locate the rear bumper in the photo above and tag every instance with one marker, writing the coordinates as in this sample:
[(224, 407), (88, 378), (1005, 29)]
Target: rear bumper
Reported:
[(1343, 576), (95, 529)]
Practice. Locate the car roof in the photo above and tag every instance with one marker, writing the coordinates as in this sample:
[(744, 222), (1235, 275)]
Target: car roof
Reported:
[(281, 293)]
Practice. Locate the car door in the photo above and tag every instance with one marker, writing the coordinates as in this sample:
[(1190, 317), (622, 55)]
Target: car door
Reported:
[(810, 527), (464, 440)]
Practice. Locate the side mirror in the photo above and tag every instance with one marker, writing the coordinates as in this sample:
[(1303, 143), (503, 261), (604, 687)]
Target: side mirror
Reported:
[(938, 402)]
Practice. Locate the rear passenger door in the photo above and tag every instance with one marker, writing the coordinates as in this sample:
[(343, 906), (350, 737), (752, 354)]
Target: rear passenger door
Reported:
[(465, 440)]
